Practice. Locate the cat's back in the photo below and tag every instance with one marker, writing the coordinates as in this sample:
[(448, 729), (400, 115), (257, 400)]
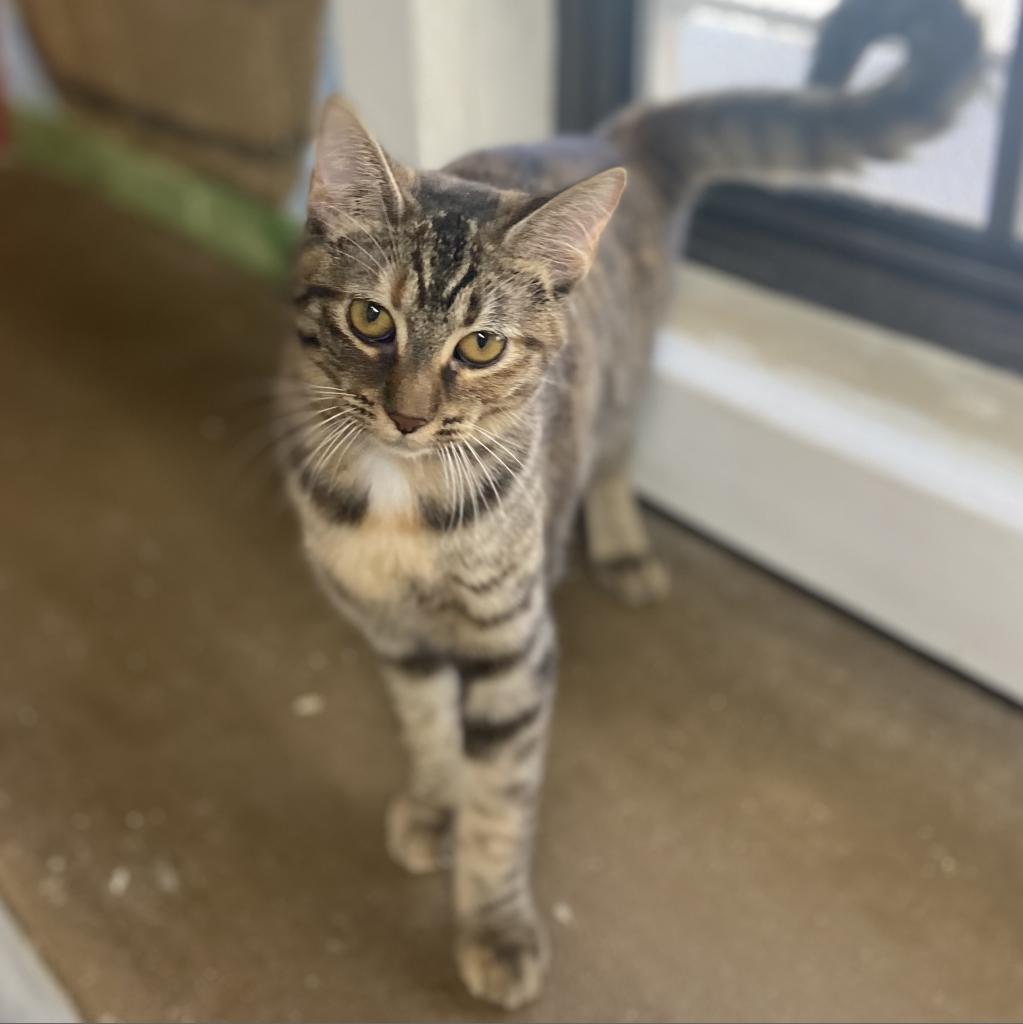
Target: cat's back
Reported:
[(538, 167)]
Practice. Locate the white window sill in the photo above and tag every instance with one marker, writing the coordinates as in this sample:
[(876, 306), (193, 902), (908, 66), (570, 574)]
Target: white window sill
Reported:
[(878, 471)]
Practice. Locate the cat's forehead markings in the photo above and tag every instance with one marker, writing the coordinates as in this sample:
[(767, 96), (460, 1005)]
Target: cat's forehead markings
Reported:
[(444, 251), (439, 194)]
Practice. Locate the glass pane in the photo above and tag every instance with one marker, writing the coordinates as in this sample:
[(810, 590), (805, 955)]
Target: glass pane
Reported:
[(706, 45)]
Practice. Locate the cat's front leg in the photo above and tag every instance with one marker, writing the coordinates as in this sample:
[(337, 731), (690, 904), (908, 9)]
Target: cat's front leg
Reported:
[(507, 701), (424, 691)]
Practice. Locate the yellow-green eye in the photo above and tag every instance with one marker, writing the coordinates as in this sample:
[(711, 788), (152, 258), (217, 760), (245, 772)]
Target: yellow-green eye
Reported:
[(480, 348), (370, 321)]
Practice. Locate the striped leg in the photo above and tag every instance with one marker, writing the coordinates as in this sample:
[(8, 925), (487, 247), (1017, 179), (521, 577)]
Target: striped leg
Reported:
[(501, 948), (424, 693)]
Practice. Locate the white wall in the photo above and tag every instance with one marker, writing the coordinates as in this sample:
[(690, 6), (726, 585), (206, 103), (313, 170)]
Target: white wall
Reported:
[(436, 78)]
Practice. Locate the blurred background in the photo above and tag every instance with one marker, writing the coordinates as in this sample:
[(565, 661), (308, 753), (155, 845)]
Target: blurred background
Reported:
[(791, 792)]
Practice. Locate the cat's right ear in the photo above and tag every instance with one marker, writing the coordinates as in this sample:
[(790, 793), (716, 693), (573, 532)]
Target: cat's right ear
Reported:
[(352, 175), (562, 234)]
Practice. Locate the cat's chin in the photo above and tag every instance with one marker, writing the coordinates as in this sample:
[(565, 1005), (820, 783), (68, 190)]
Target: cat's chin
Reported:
[(402, 448)]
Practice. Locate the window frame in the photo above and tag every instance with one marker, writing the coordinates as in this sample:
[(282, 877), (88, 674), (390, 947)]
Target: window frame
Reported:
[(956, 286)]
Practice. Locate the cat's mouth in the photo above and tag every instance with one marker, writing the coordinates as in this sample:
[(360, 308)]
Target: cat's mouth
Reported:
[(406, 447)]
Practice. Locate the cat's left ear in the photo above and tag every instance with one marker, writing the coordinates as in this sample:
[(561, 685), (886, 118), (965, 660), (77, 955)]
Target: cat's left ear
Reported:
[(352, 174), (564, 232)]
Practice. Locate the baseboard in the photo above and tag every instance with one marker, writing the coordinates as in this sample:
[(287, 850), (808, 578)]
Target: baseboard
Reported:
[(871, 468)]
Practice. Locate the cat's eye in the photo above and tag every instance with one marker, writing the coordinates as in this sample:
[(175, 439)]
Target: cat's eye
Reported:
[(370, 321), (481, 348)]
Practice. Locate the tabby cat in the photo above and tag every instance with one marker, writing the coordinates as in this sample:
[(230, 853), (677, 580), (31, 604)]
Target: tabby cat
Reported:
[(470, 351)]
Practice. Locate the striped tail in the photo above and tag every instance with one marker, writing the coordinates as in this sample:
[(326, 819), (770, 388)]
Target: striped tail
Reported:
[(777, 135)]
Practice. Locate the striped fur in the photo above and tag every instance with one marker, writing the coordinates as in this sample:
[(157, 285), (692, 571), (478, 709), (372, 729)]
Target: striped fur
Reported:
[(442, 545)]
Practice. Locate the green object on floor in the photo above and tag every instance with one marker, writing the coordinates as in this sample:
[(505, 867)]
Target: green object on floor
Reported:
[(241, 229)]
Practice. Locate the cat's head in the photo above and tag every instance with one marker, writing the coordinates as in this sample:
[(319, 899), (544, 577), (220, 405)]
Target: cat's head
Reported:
[(426, 302)]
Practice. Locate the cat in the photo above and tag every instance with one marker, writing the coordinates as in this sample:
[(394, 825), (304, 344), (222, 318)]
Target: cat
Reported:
[(471, 346)]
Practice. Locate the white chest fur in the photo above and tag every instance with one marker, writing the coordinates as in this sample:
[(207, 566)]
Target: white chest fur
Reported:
[(390, 490), (377, 559)]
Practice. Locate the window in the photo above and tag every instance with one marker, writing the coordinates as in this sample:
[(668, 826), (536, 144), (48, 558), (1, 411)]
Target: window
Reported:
[(932, 245), (719, 44)]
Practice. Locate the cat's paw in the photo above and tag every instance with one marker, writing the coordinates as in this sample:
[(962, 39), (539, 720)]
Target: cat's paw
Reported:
[(503, 964), (636, 580), (418, 836)]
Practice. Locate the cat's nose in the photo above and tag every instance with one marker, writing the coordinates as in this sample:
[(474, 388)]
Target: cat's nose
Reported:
[(407, 424)]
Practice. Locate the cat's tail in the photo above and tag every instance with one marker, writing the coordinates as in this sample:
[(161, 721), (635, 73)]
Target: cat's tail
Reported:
[(777, 135)]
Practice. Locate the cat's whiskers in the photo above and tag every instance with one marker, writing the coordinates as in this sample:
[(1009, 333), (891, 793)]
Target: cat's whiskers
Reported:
[(316, 459), (347, 443), (456, 485), (533, 482), (334, 389), (519, 421), (497, 458), (262, 388), (326, 449), (443, 456), (352, 428), (328, 394), (496, 440), (268, 435), (470, 482), (463, 480), (330, 419), (494, 490), (320, 448)]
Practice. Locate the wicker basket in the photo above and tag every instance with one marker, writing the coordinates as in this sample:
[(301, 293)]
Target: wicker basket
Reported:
[(224, 86)]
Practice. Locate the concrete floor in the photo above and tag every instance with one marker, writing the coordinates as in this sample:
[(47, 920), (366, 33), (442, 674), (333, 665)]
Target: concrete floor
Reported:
[(757, 808)]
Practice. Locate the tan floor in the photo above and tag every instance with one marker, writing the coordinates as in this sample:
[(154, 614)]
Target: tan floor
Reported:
[(756, 807)]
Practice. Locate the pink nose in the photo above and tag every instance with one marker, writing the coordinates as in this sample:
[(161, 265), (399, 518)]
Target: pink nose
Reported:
[(407, 424)]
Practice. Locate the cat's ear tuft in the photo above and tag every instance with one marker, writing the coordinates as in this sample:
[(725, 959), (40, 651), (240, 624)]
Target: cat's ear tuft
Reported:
[(352, 175), (563, 233)]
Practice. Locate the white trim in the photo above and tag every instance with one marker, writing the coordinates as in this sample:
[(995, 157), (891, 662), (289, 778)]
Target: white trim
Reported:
[(876, 470), (438, 78), (374, 55), (28, 992)]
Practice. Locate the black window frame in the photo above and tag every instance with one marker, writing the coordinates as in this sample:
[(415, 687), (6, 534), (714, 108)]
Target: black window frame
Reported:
[(956, 286)]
